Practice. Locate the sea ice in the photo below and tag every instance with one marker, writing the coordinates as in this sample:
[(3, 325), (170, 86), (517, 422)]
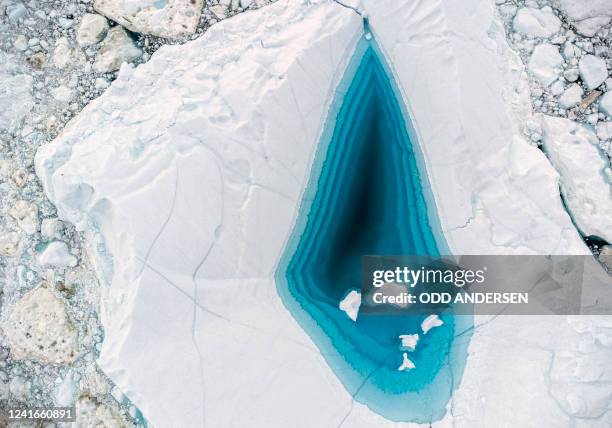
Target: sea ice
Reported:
[(56, 253), (38, 328), (350, 304), (546, 63), (605, 103), (571, 96), (409, 341), (430, 322), (536, 22), (406, 363), (573, 150), (167, 18), (592, 71), (92, 29), (116, 49)]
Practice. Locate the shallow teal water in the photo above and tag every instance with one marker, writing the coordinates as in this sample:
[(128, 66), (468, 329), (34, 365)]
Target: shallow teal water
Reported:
[(366, 195)]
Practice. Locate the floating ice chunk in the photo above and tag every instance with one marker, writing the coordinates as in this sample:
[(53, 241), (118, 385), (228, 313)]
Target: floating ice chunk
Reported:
[(592, 71), (350, 304), (579, 10), (605, 103), (546, 63), (38, 328), (536, 22), (15, 93), (573, 150), (590, 26), (604, 131), (10, 244), (409, 341), (50, 228), (65, 391), (26, 215), (406, 363), (65, 55), (165, 18), (571, 97), (431, 322), (56, 254), (117, 48), (92, 29)]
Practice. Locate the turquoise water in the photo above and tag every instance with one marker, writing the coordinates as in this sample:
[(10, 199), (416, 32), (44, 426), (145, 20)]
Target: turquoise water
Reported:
[(367, 196)]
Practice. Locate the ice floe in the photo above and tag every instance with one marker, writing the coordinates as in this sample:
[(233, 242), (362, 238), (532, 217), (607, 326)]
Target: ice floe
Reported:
[(167, 18), (407, 364), (430, 322), (409, 341), (546, 63), (536, 22), (593, 71), (186, 174), (573, 150), (350, 304)]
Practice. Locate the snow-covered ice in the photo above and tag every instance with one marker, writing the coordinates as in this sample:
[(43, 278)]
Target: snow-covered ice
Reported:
[(593, 71), (92, 29), (407, 364), (430, 322), (536, 22), (350, 304), (56, 253), (409, 341), (187, 173), (168, 18), (571, 96), (117, 48), (546, 63), (574, 151)]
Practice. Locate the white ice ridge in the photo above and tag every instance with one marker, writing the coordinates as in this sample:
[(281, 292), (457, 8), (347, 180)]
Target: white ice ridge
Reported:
[(430, 322), (409, 341), (407, 364), (187, 174), (350, 304), (573, 150)]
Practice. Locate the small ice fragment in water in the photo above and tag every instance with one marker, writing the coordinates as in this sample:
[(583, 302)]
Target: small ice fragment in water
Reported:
[(430, 322), (406, 363), (409, 341), (350, 304), (57, 254)]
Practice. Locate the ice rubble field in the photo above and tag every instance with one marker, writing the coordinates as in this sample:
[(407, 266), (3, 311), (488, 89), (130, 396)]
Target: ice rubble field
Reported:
[(184, 179)]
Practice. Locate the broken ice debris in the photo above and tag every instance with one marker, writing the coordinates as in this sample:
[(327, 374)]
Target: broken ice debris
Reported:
[(406, 363), (431, 322), (571, 97), (26, 215), (546, 63), (573, 150), (605, 104), (409, 341), (38, 328), (92, 29), (116, 49), (56, 254), (350, 304), (170, 19), (592, 71), (536, 22)]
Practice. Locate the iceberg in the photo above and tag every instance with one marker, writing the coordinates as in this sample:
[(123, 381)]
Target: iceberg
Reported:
[(187, 174)]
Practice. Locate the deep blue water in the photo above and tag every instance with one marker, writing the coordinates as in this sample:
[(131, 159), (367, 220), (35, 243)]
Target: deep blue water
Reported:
[(368, 194)]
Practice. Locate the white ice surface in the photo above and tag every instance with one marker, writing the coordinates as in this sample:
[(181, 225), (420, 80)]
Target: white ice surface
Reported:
[(350, 304), (546, 63), (536, 22), (430, 322), (187, 173), (573, 150), (163, 18)]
